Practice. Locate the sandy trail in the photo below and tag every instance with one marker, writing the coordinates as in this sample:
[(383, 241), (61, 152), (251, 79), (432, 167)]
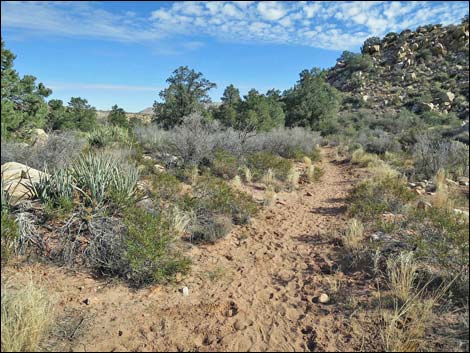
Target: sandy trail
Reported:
[(255, 290)]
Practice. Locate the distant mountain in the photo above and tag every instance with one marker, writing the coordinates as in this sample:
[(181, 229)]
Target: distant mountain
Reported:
[(147, 111)]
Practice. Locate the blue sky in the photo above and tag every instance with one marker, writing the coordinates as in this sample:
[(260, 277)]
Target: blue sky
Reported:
[(122, 52)]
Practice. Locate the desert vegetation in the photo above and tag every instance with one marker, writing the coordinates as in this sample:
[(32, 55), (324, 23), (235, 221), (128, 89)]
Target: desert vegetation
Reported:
[(138, 203)]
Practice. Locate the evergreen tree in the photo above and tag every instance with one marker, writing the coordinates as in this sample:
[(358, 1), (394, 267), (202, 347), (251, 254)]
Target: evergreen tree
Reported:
[(117, 116), (186, 94)]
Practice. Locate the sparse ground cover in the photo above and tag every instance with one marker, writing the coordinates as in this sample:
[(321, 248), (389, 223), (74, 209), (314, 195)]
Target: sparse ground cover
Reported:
[(229, 228)]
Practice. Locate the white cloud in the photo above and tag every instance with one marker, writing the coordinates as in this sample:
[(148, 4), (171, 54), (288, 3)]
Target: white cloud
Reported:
[(328, 25), (271, 10)]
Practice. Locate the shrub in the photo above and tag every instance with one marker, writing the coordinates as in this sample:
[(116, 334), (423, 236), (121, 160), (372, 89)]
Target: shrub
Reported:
[(166, 186), (288, 143), (59, 151), (26, 316), (211, 228), (441, 238), (225, 165), (379, 142), (151, 250), (193, 141), (362, 158), (375, 196), (105, 135), (10, 234), (216, 195), (432, 152), (259, 163)]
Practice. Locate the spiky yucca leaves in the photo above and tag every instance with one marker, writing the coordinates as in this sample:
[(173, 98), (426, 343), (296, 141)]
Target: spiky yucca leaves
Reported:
[(55, 187), (100, 176)]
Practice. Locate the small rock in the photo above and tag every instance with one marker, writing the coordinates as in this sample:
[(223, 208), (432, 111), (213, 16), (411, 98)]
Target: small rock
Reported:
[(120, 333), (209, 339), (378, 236), (308, 193), (185, 291), (87, 301), (324, 298), (239, 325), (461, 212), (280, 202), (423, 205), (451, 182), (463, 181), (159, 168)]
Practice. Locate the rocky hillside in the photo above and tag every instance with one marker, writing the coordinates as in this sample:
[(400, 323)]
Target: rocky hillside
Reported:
[(422, 70), (143, 115)]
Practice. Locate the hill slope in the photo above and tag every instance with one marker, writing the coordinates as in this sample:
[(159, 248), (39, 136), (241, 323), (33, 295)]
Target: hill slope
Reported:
[(424, 70)]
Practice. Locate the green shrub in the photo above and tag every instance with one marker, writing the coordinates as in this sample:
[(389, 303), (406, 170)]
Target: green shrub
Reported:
[(373, 197), (260, 163), (166, 186), (10, 233), (214, 194), (225, 165), (441, 238), (151, 249), (212, 228), (103, 136)]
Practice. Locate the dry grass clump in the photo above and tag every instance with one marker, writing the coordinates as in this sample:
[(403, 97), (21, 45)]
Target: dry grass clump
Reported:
[(180, 220), (293, 179), (237, 181), (194, 174), (307, 161), (310, 172), (247, 174), (268, 178), (402, 275), (441, 198), (26, 316), (404, 328), (382, 170), (362, 158), (269, 196), (354, 235)]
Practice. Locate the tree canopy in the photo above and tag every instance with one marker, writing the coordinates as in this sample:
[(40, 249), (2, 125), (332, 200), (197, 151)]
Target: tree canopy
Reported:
[(23, 101), (312, 102), (187, 93), (117, 116)]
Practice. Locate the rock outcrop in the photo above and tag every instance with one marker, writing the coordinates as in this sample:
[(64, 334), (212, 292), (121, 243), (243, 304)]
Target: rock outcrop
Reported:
[(17, 179), (423, 70)]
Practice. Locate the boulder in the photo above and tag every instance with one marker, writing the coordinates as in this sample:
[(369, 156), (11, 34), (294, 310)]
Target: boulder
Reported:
[(17, 179), (446, 97), (39, 137)]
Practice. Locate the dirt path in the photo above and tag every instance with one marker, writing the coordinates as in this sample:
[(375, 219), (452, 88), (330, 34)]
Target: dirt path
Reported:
[(255, 290)]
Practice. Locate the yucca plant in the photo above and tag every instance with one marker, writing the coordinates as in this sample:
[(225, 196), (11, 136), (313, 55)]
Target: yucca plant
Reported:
[(124, 180), (58, 185), (100, 176)]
